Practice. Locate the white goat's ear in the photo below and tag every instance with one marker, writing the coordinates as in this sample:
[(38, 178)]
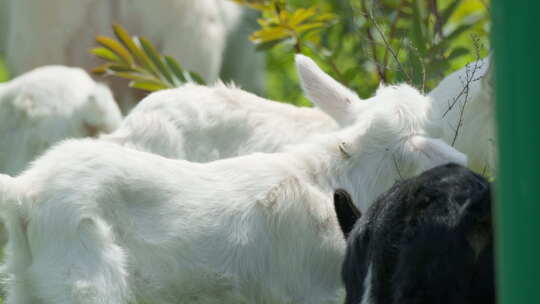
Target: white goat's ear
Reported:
[(100, 111), (427, 152), (326, 93)]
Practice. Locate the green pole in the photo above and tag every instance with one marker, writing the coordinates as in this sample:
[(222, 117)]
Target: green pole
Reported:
[(515, 38)]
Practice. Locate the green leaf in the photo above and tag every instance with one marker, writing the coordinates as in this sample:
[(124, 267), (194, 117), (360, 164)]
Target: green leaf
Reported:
[(102, 69), (264, 46), (121, 68), (132, 46), (269, 34), (300, 15), (458, 31), (310, 26), (449, 10), (105, 53), (116, 48), (325, 17), (148, 85), (151, 51), (350, 74), (4, 72), (418, 28), (196, 78), (447, 41), (136, 77), (175, 68), (457, 52)]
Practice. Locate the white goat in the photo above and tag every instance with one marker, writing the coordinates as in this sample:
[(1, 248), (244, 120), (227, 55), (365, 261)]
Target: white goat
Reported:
[(464, 98), (201, 124), (63, 31), (47, 105), (94, 222)]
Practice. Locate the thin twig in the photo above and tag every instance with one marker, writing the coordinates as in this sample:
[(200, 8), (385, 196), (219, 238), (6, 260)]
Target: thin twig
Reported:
[(297, 46), (388, 46), (469, 78), (422, 65), (380, 71), (438, 19), (393, 29), (468, 81)]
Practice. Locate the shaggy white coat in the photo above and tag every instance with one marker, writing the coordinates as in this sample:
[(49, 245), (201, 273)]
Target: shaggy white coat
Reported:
[(469, 89), (94, 222), (47, 105), (202, 124)]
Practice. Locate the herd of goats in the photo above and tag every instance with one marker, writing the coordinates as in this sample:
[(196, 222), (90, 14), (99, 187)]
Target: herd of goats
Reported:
[(211, 194)]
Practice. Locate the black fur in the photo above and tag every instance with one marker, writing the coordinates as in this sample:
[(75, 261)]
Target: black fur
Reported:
[(427, 240), (346, 211)]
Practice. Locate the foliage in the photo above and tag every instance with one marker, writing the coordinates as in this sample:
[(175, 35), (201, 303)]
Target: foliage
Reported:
[(390, 41), (4, 73), (136, 59), (360, 43), (280, 24)]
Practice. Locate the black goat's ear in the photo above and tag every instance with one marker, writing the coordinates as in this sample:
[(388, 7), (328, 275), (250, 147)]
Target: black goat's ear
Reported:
[(346, 212), (475, 220)]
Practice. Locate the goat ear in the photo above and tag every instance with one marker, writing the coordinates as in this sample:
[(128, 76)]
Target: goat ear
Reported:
[(430, 152), (100, 112), (326, 93), (475, 220), (346, 212)]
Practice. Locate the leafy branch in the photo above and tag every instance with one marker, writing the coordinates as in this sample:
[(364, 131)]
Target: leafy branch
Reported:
[(137, 59), (280, 23), (373, 41)]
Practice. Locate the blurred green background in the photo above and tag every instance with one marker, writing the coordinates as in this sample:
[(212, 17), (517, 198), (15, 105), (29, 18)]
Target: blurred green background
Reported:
[(430, 38), (4, 74)]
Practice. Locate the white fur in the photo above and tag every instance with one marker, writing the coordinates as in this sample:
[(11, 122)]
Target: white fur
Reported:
[(63, 31), (476, 136), (201, 124), (208, 123), (326, 93), (94, 222), (47, 105)]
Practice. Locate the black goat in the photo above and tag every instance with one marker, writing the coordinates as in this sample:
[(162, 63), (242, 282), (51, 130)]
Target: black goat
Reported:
[(427, 240)]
